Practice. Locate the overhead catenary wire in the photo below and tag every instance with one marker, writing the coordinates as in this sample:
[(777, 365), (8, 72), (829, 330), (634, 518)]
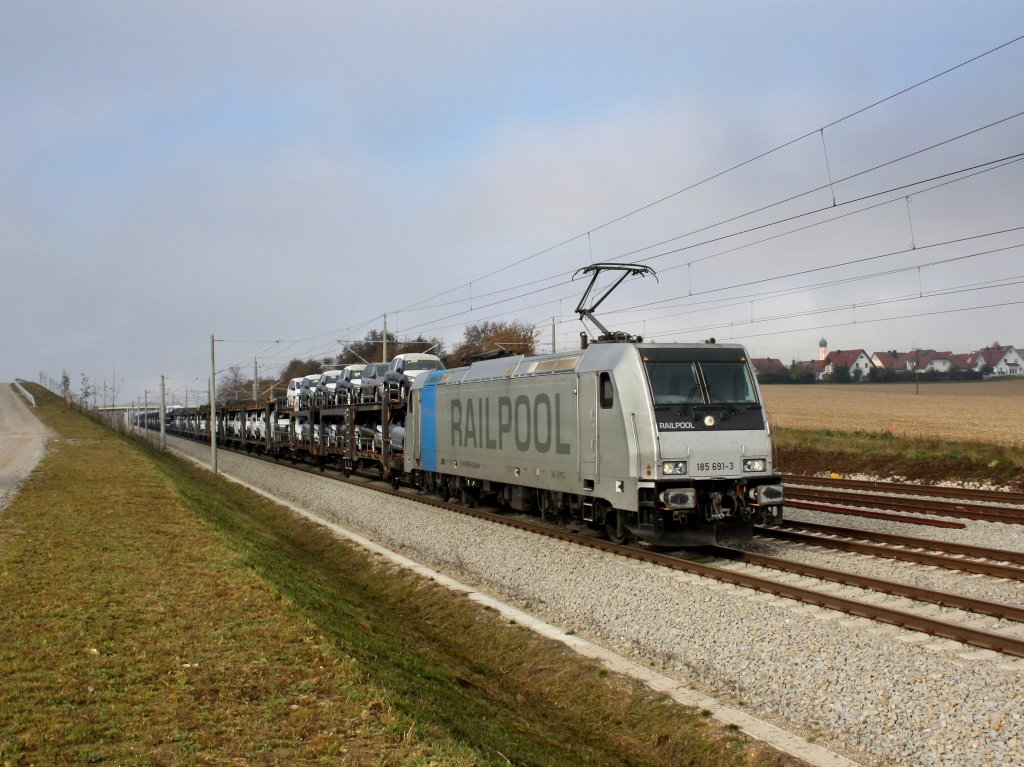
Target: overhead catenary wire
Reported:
[(477, 295), (851, 262), (938, 312), (744, 299), (727, 170), (865, 259), (914, 296), (967, 172), (648, 303)]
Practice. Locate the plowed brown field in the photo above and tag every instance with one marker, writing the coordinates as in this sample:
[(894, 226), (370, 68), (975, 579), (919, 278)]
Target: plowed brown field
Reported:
[(983, 411)]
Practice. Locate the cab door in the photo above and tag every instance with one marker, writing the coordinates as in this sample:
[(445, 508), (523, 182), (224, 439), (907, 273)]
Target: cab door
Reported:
[(588, 437)]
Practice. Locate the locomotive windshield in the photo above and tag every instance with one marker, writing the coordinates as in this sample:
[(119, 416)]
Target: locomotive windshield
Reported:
[(728, 382), (674, 383), (687, 377)]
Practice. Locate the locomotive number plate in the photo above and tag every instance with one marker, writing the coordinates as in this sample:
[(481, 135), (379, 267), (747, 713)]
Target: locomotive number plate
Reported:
[(714, 467)]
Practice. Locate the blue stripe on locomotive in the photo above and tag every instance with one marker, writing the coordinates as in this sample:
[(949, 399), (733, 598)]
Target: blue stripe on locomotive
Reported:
[(428, 424)]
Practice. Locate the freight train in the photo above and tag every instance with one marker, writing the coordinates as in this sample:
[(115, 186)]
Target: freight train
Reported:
[(667, 444)]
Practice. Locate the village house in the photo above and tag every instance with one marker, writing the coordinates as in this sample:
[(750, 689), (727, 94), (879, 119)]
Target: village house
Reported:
[(893, 360), (994, 360), (1003, 360), (856, 361), (920, 361), (766, 367)]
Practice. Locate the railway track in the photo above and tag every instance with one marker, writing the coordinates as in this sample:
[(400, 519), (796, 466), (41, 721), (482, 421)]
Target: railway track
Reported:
[(800, 497), (903, 548), (906, 619), (960, 632), (855, 512), (916, 593), (901, 488)]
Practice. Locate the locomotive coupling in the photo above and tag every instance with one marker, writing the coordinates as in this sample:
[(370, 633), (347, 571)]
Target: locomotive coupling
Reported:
[(679, 498), (767, 495)]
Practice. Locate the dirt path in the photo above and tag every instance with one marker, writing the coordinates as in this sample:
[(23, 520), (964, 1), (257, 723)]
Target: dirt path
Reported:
[(22, 442)]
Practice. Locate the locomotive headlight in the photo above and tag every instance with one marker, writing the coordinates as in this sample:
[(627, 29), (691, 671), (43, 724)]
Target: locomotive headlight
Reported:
[(673, 467), (754, 464)]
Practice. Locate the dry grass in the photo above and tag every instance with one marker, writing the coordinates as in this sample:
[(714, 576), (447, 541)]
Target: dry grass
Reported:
[(129, 633), (986, 411)]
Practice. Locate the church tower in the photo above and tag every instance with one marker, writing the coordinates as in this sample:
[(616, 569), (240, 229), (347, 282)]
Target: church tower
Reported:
[(822, 349)]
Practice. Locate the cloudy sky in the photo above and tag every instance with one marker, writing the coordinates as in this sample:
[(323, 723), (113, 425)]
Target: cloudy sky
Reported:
[(290, 172)]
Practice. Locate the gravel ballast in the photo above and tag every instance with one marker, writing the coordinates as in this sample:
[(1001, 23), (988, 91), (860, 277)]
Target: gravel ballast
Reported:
[(879, 694)]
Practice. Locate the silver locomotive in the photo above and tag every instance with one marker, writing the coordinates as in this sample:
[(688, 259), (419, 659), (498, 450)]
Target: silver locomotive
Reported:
[(665, 443)]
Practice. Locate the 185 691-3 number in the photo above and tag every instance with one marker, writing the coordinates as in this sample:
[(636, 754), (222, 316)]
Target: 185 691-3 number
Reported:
[(710, 466)]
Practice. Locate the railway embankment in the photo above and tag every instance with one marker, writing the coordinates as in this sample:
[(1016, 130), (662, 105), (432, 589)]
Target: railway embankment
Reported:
[(883, 456), (153, 613)]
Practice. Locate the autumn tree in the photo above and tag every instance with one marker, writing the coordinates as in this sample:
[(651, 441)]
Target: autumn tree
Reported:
[(514, 337), (299, 368), (371, 348)]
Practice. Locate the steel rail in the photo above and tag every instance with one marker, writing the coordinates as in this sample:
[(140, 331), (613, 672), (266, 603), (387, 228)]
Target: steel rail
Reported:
[(888, 552), (917, 593), (796, 504), (904, 488), (938, 508), (960, 633), (1001, 555)]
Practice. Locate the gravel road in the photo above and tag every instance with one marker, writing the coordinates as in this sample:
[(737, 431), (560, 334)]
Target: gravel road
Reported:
[(875, 693), (22, 442)]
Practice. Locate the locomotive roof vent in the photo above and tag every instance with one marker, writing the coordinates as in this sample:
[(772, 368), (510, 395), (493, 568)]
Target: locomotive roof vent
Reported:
[(585, 313)]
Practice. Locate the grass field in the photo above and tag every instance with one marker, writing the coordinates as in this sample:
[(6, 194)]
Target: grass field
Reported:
[(972, 431), (153, 614), (984, 411)]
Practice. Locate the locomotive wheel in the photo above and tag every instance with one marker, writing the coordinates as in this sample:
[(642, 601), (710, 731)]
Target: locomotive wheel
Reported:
[(546, 504), (467, 496), (611, 529), (442, 488), (396, 481)]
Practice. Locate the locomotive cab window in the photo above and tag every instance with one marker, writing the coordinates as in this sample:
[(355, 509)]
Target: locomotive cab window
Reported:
[(728, 382), (607, 400), (674, 383)]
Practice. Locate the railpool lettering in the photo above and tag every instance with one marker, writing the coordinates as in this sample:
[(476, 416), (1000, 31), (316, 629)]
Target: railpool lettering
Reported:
[(529, 424), (675, 426)]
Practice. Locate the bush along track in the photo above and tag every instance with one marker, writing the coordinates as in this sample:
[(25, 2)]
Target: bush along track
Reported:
[(154, 614)]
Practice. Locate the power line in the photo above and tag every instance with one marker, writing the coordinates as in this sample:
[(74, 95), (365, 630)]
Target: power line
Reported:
[(851, 262), (808, 192), (719, 174), (818, 328), (744, 300), (418, 306), (962, 174)]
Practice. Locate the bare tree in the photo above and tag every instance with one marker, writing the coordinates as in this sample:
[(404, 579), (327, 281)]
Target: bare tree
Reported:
[(87, 390), (233, 385)]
